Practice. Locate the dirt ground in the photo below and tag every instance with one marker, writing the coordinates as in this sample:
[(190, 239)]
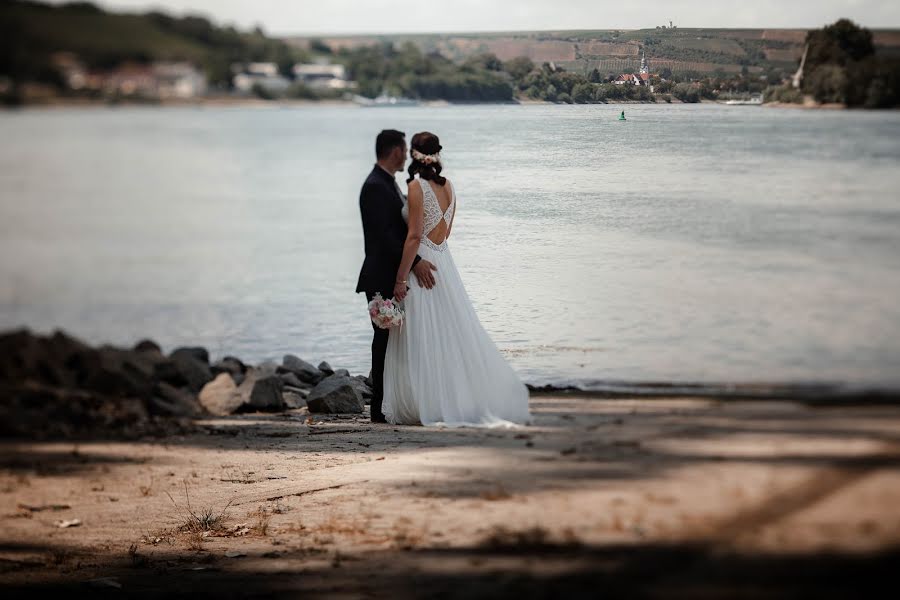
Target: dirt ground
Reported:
[(667, 497)]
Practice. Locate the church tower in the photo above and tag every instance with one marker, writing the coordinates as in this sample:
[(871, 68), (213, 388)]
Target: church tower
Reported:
[(644, 67)]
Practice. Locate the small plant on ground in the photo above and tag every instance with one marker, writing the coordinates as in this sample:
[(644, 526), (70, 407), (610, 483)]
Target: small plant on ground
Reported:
[(201, 520)]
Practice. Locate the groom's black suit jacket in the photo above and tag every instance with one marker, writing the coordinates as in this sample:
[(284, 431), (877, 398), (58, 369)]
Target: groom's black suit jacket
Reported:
[(384, 231)]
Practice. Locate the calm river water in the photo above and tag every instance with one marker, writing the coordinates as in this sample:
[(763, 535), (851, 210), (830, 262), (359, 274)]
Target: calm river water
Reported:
[(689, 243)]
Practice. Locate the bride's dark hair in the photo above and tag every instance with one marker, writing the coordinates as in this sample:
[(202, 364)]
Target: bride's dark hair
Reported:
[(426, 143)]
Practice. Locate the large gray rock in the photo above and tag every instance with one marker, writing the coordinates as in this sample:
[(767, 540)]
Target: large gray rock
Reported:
[(221, 396), (104, 391), (359, 382), (24, 355), (114, 371), (147, 346), (63, 361), (266, 394), (260, 392), (342, 372), (197, 352), (302, 369), (326, 368), (335, 395), (190, 371)]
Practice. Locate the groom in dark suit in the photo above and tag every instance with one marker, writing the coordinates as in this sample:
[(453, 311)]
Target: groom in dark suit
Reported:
[(384, 230)]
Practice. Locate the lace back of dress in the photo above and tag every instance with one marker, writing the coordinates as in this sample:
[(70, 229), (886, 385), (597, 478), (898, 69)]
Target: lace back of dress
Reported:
[(433, 213)]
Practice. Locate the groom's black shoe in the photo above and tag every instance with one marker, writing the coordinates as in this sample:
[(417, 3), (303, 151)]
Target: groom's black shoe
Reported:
[(378, 418)]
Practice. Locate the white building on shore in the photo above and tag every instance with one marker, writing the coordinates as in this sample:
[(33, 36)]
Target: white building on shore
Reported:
[(179, 80), (265, 75), (322, 75), (162, 80), (640, 78)]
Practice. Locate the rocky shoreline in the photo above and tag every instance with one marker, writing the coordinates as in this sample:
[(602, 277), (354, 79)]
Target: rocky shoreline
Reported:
[(57, 386)]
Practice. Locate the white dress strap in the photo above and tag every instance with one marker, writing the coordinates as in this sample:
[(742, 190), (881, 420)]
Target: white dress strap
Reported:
[(451, 208)]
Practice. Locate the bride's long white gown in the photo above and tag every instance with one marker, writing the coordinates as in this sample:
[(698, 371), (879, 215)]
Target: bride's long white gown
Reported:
[(441, 366)]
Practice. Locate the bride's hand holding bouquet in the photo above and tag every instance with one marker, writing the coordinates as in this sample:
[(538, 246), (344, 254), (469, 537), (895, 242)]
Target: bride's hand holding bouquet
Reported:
[(385, 313)]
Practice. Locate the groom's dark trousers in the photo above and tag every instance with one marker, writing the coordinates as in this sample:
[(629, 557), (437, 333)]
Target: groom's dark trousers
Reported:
[(384, 231), (379, 349)]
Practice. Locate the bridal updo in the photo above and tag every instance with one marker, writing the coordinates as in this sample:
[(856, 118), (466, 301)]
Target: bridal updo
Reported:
[(427, 144)]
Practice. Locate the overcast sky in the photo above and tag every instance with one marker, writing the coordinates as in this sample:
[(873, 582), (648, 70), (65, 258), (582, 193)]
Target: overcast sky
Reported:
[(395, 16)]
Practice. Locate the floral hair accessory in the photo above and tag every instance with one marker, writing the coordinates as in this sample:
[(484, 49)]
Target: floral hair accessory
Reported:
[(426, 158)]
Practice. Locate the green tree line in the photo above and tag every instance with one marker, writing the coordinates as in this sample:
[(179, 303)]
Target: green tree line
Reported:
[(408, 71), (842, 66)]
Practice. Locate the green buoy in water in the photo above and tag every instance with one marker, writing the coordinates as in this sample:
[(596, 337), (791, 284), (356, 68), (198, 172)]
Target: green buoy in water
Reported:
[(622, 116)]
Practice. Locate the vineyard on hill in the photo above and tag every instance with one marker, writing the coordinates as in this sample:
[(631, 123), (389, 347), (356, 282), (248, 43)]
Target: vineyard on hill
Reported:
[(682, 51)]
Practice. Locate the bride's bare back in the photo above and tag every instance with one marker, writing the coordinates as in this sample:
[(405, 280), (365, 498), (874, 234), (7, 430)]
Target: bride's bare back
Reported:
[(439, 208)]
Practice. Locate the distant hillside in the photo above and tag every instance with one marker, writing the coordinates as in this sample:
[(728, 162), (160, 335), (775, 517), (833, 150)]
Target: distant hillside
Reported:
[(687, 65), (30, 32), (680, 50)]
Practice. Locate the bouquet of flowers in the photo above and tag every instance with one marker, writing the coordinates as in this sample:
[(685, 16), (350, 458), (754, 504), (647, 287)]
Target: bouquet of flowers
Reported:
[(385, 313)]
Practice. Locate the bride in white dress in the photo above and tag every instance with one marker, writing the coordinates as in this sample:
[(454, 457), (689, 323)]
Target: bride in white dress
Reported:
[(441, 366)]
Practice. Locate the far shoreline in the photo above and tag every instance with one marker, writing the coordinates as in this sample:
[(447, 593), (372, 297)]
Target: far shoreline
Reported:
[(228, 102), (64, 104)]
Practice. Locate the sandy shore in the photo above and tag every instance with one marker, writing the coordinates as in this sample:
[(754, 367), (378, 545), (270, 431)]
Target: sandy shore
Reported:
[(649, 497)]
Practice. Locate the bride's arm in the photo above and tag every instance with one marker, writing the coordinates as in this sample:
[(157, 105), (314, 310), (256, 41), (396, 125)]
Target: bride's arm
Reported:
[(413, 239)]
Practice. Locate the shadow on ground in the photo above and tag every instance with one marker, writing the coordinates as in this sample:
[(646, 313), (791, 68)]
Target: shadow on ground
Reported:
[(521, 569)]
